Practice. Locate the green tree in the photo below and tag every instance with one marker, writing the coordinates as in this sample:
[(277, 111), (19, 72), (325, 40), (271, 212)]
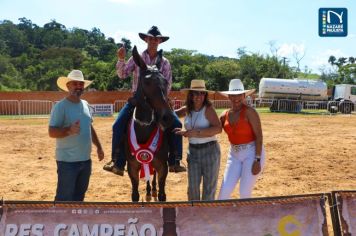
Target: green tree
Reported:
[(220, 72), (332, 60), (77, 38), (54, 34), (15, 40)]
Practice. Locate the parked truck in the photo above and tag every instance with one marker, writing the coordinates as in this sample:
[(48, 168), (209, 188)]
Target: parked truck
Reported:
[(292, 95)]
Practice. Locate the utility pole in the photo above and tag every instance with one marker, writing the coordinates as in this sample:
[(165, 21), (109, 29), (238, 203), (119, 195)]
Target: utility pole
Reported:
[(284, 67)]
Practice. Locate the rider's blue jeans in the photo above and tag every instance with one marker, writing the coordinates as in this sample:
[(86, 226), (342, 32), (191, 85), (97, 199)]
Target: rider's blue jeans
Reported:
[(119, 127)]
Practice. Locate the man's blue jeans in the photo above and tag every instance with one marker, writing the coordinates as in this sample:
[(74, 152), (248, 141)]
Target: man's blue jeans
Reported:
[(119, 127), (73, 180)]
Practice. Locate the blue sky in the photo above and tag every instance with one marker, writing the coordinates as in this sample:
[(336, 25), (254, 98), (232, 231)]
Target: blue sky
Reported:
[(215, 27)]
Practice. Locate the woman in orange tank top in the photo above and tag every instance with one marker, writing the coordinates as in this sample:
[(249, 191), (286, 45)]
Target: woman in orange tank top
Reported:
[(246, 156)]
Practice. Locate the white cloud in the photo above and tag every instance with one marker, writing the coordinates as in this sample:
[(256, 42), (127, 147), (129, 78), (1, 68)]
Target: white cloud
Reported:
[(133, 37), (321, 60), (286, 50)]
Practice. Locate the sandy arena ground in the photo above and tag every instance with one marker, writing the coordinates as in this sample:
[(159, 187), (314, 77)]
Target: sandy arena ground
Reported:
[(305, 154)]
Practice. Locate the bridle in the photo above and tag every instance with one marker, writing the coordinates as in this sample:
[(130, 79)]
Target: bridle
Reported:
[(148, 71), (143, 123), (153, 69)]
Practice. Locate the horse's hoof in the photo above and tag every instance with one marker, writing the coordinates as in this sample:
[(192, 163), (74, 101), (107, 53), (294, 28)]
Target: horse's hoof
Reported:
[(135, 198), (154, 194), (148, 198), (162, 197)]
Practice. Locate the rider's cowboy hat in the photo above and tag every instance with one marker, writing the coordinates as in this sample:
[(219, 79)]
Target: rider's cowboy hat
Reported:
[(153, 32), (74, 75), (236, 87), (197, 85)]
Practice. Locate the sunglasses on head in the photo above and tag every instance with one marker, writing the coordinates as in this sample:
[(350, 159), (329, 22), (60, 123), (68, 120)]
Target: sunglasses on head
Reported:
[(198, 93)]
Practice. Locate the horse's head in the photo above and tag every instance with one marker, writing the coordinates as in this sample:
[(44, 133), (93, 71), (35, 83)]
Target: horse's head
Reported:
[(152, 89)]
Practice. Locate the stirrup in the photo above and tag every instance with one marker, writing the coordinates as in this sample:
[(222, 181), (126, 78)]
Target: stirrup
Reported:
[(109, 166), (177, 168), (118, 171)]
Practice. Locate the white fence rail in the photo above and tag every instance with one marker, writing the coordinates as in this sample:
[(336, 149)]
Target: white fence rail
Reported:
[(285, 105), (35, 107), (43, 107), (9, 107), (25, 107), (118, 104)]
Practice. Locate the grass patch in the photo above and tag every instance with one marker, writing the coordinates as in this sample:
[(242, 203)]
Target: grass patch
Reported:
[(259, 110)]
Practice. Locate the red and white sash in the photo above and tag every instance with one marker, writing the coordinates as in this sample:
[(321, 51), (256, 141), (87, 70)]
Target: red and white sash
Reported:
[(144, 153)]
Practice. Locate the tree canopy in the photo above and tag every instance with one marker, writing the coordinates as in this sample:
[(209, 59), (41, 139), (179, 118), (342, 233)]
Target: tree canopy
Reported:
[(33, 57)]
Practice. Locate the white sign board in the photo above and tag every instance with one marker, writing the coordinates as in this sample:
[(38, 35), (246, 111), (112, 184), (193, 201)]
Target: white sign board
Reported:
[(102, 109)]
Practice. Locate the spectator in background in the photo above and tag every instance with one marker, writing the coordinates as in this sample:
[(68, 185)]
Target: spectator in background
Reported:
[(201, 126), (246, 156), (71, 124)]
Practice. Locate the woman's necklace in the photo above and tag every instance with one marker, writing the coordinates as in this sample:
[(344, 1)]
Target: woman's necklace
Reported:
[(196, 118), (234, 116)]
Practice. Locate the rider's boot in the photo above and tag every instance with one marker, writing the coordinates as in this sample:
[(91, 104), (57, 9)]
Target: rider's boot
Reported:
[(174, 164), (114, 165)]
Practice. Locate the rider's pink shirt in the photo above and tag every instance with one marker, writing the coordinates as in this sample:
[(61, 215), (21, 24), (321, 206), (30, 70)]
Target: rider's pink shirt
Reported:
[(124, 69)]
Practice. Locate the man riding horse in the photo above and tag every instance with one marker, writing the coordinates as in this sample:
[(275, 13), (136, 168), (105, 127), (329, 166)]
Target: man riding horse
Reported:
[(146, 141), (153, 38)]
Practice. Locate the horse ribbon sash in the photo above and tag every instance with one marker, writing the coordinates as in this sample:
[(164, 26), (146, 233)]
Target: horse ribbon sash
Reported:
[(144, 153)]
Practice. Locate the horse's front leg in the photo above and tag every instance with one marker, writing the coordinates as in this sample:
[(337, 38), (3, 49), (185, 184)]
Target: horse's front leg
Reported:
[(134, 177), (162, 176)]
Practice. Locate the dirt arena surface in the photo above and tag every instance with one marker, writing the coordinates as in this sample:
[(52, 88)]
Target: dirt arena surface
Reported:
[(305, 154)]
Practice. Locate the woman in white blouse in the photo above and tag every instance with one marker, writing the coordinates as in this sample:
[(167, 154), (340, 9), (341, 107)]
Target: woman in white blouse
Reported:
[(201, 124)]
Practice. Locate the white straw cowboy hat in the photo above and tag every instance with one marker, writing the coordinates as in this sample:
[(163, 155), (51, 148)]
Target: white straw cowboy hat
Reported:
[(236, 87), (74, 75), (197, 85), (153, 32)]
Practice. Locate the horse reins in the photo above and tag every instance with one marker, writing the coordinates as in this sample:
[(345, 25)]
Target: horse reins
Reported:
[(143, 123)]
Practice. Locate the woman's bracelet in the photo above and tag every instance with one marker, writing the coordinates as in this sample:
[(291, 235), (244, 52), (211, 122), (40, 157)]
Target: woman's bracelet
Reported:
[(258, 158)]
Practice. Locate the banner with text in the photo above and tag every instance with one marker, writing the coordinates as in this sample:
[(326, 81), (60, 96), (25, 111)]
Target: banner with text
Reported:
[(346, 205), (298, 215), (102, 109)]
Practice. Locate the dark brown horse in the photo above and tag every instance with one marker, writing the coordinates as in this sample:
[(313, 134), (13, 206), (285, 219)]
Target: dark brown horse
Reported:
[(152, 111)]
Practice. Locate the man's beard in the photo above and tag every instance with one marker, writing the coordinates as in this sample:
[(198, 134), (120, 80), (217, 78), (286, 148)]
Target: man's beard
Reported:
[(77, 92)]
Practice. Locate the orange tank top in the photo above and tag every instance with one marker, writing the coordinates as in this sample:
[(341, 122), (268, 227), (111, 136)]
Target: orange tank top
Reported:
[(240, 133)]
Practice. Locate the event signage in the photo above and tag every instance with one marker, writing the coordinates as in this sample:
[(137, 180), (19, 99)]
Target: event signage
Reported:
[(102, 109), (346, 204), (267, 217), (333, 22)]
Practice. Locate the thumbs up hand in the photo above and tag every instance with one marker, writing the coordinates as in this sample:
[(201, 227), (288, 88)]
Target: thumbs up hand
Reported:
[(74, 128), (121, 53)]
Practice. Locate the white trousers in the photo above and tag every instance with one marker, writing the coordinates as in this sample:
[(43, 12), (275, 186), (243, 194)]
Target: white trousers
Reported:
[(238, 167)]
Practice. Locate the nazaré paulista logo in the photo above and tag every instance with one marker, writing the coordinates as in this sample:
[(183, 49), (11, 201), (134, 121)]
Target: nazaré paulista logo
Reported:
[(332, 22)]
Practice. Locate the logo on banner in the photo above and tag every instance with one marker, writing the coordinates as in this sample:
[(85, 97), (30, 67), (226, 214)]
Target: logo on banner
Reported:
[(333, 22)]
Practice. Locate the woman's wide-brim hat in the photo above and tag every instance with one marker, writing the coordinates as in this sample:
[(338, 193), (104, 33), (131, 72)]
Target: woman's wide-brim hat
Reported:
[(153, 32), (236, 87), (197, 85), (74, 75)]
